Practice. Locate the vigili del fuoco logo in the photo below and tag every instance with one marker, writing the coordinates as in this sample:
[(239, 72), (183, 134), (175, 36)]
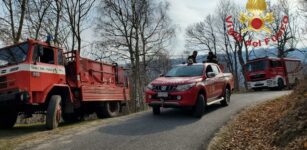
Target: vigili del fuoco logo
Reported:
[(257, 18)]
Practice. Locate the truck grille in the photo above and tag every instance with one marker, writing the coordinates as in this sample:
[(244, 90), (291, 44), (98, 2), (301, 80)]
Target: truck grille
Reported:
[(3, 82), (257, 77), (164, 88), (170, 97)]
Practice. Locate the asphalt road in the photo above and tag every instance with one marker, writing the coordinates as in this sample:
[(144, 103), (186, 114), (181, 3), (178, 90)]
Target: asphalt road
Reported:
[(173, 129)]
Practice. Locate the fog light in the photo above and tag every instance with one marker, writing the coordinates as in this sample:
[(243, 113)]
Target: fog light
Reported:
[(178, 97), (24, 96), (21, 97)]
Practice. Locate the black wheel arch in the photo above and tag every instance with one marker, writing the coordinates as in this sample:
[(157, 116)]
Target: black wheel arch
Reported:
[(203, 92), (63, 91)]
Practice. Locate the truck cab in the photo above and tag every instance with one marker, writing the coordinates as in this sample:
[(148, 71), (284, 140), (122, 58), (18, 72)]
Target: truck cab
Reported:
[(24, 66), (27, 71)]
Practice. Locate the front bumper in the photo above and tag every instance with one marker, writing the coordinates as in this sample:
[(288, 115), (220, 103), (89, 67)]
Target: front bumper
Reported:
[(269, 83), (14, 97), (174, 99)]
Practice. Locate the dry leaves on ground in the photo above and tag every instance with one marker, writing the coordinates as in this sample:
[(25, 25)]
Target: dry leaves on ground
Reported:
[(278, 124)]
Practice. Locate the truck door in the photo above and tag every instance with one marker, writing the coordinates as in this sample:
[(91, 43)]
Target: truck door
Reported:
[(210, 84), (219, 81), (45, 69)]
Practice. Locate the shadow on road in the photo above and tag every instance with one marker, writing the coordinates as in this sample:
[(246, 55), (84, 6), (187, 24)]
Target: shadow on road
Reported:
[(25, 129), (21, 130), (150, 124), (145, 124)]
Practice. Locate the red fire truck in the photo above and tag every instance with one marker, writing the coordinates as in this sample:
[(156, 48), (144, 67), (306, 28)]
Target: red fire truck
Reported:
[(38, 78), (275, 73)]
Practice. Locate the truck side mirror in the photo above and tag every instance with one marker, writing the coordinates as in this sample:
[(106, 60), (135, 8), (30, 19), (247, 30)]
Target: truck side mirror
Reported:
[(211, 74)]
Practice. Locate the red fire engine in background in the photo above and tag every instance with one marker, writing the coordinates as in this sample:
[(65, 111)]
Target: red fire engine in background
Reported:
[(38, 78), (270, 72)]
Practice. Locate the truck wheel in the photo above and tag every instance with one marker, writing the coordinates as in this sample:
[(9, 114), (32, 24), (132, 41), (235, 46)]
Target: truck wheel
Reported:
[(257, 89), (199, 107), (156, 110), (70, 117), (100, 110), (111, 109), (54, 112), (296, 82), (280, 84), (8, 119), (226, 100)]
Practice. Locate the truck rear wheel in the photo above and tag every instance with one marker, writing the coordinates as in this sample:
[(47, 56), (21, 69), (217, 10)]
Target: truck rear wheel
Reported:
[(100, 110), (257, 89), (8, 119), (199, 107), (70, 117), (54, 112), (156, 110), (280, 84), (111, 109), (296, 82), (226, 100)]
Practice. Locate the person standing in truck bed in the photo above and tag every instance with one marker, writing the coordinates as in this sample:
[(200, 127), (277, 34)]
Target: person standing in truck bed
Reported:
[(211, 58), (192, 57)]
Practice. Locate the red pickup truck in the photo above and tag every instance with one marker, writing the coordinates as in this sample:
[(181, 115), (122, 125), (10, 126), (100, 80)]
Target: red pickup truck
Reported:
[(190, 86)]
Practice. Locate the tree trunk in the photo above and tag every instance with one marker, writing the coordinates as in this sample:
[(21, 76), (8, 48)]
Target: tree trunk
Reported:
[(22, 16), (237, 81), (242, 63)]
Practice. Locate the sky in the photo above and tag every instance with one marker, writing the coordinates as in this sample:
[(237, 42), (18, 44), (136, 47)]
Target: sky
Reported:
[(187, 12), (183, 13)]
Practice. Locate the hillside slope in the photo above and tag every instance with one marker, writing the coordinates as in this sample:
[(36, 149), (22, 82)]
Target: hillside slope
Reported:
[(278, 124)]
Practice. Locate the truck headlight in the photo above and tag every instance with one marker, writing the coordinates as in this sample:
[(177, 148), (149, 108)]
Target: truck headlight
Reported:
[(149, 86), (185, 87), (24, 96)]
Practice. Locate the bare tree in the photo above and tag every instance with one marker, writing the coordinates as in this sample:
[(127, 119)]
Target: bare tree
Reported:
[(288, 40), (202, 35), (212, 34), (13, 19), (37, 17), (135, 31), (76, 12)]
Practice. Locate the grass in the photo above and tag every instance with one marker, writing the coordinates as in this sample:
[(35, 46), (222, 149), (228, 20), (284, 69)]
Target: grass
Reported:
[(277, 124)]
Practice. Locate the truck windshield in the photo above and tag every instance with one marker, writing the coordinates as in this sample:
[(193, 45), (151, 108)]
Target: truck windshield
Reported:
[(256, 66), (13, 55), (186, 71)]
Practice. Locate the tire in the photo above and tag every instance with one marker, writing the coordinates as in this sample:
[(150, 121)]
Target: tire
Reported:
[(199, 107), (226, 100), (8, 119), (111, 109), (156, 110), (70, 117), (296, 82), (54, 112), (280, 84), (99, 110), (257, 89)]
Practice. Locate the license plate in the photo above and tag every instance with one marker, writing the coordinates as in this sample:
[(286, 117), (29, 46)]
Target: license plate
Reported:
[(162, 94)]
